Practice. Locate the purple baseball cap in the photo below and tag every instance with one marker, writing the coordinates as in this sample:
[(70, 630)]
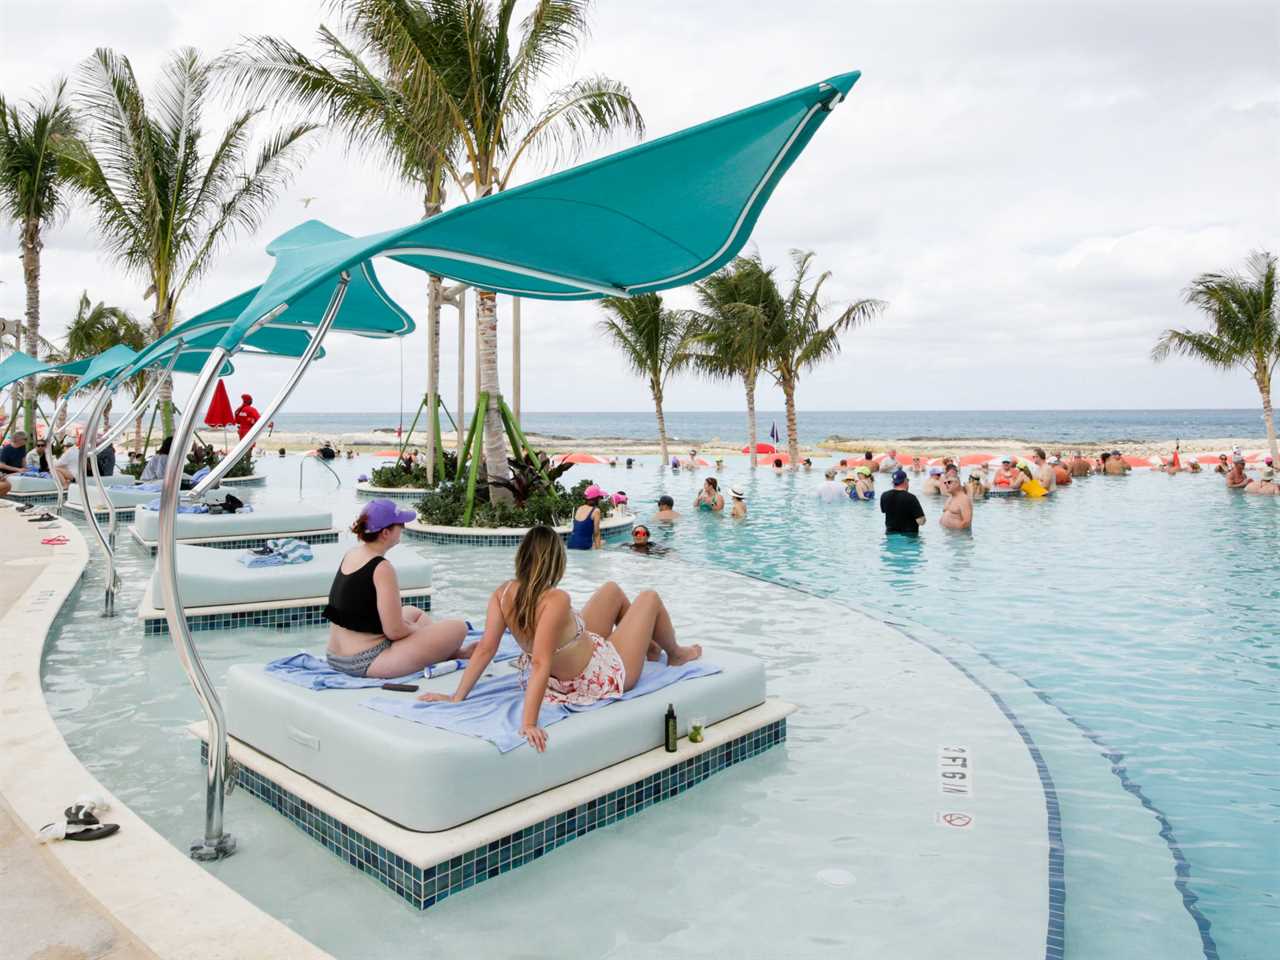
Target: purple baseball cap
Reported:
[(380, 514)]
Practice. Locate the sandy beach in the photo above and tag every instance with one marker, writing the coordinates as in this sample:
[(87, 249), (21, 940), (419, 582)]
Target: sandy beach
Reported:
[(371, 442)]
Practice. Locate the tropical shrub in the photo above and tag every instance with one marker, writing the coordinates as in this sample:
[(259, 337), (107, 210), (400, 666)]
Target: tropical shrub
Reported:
[(397, 475), (203, 455), (535, 500)]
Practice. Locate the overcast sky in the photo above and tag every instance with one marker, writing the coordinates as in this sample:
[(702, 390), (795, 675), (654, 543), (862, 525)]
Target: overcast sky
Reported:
[(1030, 186)]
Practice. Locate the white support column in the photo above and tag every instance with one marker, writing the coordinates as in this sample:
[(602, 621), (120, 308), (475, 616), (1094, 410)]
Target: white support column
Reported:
[(515, 358)]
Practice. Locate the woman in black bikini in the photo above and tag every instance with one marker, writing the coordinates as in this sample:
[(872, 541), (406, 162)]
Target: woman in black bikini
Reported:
[(372, 635)]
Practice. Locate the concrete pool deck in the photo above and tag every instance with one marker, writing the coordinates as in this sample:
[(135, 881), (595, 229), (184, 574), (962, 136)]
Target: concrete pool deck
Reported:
[(129, 896)]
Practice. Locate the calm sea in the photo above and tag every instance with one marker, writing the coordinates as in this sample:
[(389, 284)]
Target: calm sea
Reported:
[(1046, 426)]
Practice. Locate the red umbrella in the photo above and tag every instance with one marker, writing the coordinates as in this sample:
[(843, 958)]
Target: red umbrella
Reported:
[(220, 413), (578, 458), (761, 448)]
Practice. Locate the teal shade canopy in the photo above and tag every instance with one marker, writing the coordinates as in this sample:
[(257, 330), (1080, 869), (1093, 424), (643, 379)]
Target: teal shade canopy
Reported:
[(18, 366), (659, 215), (118, 362), (203, 331)]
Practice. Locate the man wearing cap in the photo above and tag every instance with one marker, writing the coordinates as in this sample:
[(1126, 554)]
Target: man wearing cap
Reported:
[(1237, 479), (666, 509), (830, 490), (1266, 486), (1079, 465), (932, 485), (246, 416), (1006, 476), (901, 509), (13, 455)]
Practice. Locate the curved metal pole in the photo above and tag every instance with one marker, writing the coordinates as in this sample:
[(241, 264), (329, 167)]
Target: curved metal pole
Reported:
[(140, 404), (60, 410), (216, 844), (247, 441), (87, 461)]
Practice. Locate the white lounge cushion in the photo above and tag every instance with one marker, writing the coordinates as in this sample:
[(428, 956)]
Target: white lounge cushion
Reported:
[(428, 779), (262, 521), (209, 577), (46, 485), (121, 496)]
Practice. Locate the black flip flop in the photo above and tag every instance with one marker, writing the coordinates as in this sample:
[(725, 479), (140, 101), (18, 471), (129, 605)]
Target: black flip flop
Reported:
[(92, 833), (43, 518)]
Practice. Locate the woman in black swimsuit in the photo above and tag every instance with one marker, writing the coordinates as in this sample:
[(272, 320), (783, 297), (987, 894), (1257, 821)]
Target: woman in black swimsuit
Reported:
[(371, 634)]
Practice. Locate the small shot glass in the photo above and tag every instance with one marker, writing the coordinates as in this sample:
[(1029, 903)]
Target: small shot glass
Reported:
[(696, 726)]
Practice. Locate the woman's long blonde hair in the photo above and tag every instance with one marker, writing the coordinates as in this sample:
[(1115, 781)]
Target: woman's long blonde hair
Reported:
[(540, 561)]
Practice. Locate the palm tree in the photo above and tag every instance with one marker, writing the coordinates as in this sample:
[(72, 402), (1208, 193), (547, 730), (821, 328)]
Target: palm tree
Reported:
[(33, 195), (737, 305), (483, 85), (350, 87), (97, 327), (655, 342), (165, 208), (800, 340), (1242, 309)]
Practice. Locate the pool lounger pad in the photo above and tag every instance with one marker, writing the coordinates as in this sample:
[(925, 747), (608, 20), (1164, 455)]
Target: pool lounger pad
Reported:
[(121, 496), (197, 526), (22, 484), (208, 577), (428, 779)]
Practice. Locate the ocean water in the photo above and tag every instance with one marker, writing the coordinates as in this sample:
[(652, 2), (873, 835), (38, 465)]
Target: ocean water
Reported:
[(1042, 426)]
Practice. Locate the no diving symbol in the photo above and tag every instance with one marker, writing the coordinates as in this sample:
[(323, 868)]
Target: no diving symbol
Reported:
[(959, 820)]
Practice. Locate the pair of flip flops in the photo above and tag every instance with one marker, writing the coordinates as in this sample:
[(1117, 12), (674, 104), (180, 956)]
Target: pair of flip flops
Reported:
[(58, 541), (42, 518), (80, 823)]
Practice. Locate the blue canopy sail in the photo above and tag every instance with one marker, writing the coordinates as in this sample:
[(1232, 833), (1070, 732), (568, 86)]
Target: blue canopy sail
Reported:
[(659, 215)]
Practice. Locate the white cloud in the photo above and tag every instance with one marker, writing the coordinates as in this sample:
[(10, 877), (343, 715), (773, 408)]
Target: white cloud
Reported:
[(1030, 186)]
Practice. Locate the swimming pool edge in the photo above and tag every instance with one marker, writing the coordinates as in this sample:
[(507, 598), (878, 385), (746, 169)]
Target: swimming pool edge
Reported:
[(152, 891)]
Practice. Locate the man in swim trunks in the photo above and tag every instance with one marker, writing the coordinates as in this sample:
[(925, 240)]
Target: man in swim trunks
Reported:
[(1237, 479), (1113, 464), (666, 509), (1042, 471), (957, 513), (1079, 465), (932, 485)]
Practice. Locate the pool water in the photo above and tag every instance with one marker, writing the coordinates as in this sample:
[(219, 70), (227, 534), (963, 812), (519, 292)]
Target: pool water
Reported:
[(1139, 612)]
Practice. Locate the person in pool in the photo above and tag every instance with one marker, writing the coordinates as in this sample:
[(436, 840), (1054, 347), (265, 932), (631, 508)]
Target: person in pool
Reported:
[(1042, 471), (976, 486), (1266, 486), (585, 534), (864, 485), (739, 509), (957, 512), (1006, 475), (371, 634), (642, 542), (1237, 479), (932, 485), (709, 498), (666, 509), (569, 657), (777, 466)]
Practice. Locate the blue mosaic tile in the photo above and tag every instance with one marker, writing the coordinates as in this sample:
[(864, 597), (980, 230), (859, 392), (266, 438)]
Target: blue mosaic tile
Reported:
[(248, 542), (280, 618), (425, 887), (391, 493)]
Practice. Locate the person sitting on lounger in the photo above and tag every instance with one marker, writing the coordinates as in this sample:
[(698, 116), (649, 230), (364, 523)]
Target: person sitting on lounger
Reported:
[(154, 470), (13, 455), (67, 466), (372, 635), (569, 657)]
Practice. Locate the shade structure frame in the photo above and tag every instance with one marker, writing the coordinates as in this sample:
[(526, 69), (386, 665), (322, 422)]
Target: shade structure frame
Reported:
[(766, 138), (216, 843)]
